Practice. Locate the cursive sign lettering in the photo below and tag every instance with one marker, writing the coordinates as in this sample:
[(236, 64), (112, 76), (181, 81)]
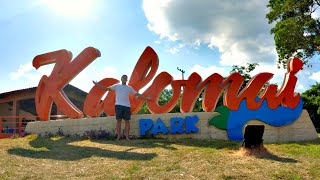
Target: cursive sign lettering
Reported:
[(50, 88)]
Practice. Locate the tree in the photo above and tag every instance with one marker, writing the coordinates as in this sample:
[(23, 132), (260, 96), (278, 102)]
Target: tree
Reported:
[(296, 33), (311, 102), (244, 71), (144, 109), (165, 97)]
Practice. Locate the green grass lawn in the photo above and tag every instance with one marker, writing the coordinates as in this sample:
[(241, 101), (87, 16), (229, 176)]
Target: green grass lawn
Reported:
[(34, 157)]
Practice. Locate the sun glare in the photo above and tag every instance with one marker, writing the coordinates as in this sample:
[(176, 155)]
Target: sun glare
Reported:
[(76, 9)]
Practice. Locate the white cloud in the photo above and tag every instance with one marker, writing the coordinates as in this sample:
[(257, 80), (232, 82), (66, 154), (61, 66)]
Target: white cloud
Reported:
[(107, 72), (278, 73), (23, 69), (238, 29), (300, 87), (316, 13), (304, 79), (315, 76), (176, 49), (277, 78), (26, 76), (28, 73), (84, 79), (157, 20), (205, 72), (30, 77)]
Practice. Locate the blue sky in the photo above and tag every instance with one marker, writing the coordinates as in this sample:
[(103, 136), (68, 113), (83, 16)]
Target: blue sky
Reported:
[(205, 36)]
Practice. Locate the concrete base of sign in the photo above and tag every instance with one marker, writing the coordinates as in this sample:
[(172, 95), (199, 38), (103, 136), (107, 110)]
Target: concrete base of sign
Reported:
[(301, 130)]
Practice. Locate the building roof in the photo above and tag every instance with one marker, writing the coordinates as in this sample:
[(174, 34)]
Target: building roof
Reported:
[(68, 87), (19, 91), (76, 95)]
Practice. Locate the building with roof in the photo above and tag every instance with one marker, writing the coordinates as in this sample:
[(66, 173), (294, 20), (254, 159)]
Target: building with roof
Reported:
[(18, 107)]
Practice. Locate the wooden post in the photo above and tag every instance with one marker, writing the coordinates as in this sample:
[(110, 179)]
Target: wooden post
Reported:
[(15, 114), (1, 128)]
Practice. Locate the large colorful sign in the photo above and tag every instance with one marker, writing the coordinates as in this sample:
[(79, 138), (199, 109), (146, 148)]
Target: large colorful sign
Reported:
[(257, 100)]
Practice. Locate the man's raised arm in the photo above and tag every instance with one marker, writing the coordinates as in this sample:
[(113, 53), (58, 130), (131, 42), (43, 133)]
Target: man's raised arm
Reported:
[(102, 87), (142, 96)]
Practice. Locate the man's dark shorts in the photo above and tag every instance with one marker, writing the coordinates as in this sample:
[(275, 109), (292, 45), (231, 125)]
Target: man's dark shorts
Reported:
[(123, 112)]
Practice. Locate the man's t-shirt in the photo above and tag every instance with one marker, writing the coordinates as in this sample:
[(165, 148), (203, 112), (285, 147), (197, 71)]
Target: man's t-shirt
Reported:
[(122, 94)]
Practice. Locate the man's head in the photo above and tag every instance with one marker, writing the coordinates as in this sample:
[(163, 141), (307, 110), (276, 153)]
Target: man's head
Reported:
[(124, 79)]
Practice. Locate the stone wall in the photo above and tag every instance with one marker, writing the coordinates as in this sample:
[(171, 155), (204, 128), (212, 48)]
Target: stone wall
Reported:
[(300, 130)]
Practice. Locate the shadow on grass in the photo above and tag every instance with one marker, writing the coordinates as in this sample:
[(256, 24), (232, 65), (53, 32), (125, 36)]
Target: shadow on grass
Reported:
[(302, 143), (280, 159), (168, 143), (62, 149)]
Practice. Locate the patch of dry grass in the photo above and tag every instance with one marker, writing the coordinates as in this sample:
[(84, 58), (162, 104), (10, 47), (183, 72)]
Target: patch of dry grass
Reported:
[(34, 157)]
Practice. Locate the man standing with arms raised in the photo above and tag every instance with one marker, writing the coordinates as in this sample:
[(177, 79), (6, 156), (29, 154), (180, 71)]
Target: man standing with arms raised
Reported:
[(122, 106)]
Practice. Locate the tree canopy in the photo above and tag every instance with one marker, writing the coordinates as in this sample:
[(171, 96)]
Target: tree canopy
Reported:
[(311, 102), (296, 32), (244, 71)]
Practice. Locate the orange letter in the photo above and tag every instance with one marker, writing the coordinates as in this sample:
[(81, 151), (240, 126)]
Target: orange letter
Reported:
[(142, 74), (92, 106), (148, 62), (158, 85), (213, 87), (286, 95), (50, 88)]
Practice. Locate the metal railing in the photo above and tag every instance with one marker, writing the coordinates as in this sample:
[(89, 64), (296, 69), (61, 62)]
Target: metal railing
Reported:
[(14, 125)]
